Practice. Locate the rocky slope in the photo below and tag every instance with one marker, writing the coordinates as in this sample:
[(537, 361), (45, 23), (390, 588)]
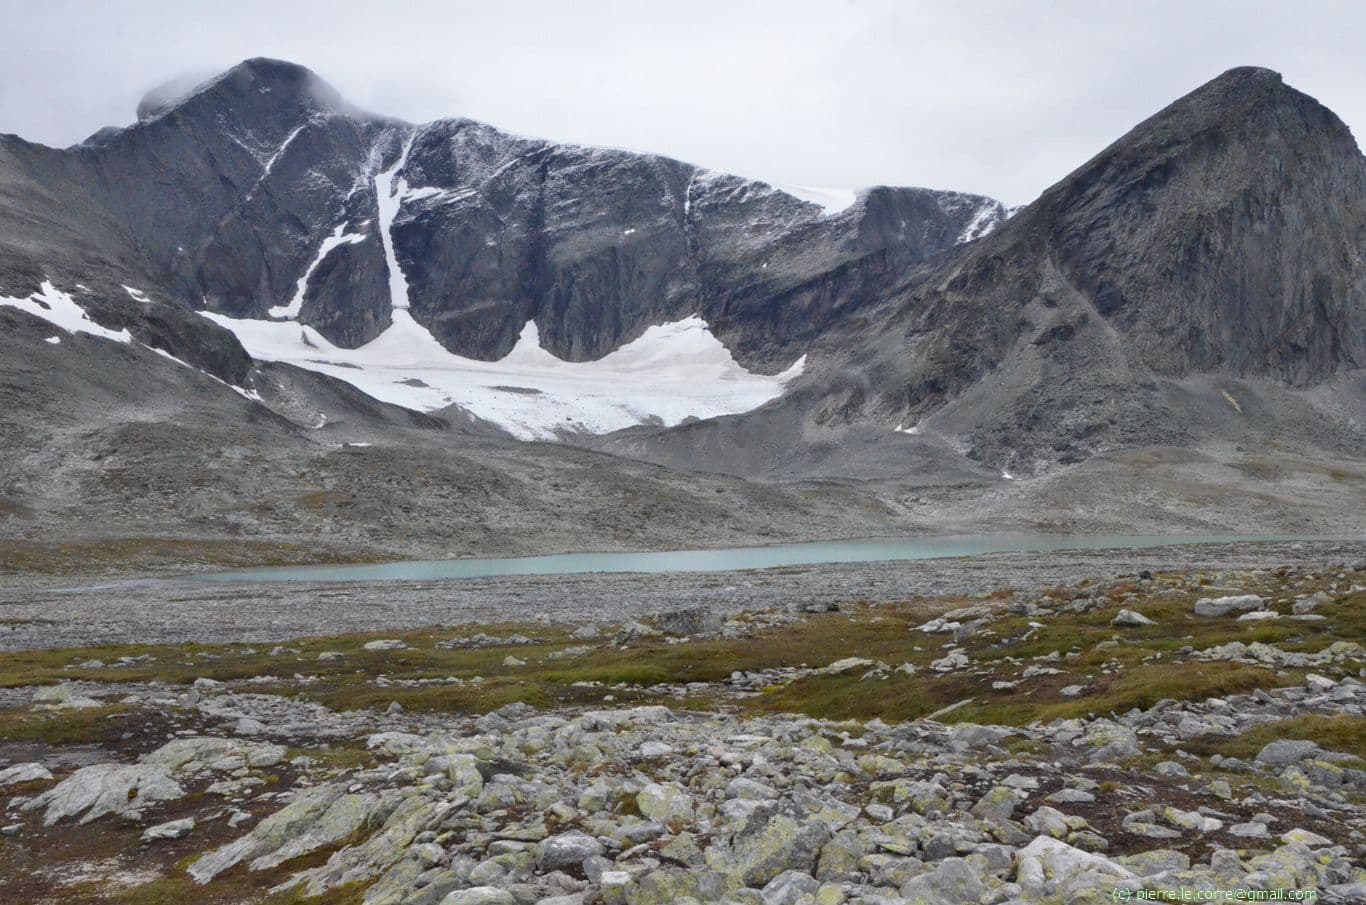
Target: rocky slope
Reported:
[(1202, 278), (1062, 745)]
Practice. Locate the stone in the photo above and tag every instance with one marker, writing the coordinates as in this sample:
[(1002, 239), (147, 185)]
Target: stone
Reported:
[(20, 773), (1222, 606), (1131, 619), (1259, 616), (788, 887), (690, 621), (997, 804), (172, 829), (1304, 837), (205, 753), (1045, 862), (1283, 752), (1047, 821), (848, 664), (656, 749), (479, 895), (1310, 602), (385, 644), (781, 843), (665, 801), (64, 697), (315, 818), (1111, 741), (951, 882), (95, 791), (750, 790), (1192, 820), (566, 850)]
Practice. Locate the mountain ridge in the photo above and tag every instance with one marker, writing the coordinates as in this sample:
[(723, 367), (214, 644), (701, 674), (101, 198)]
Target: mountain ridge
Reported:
[(292, 161)]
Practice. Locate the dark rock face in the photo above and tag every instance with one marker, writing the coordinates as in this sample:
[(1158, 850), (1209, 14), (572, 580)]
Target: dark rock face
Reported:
[(1221, 236), (1178, 287), (598, 244), (221, 195)]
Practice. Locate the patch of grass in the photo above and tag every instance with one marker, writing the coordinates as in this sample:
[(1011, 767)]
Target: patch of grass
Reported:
[(65, 727), (1342, 732), (839, 697)]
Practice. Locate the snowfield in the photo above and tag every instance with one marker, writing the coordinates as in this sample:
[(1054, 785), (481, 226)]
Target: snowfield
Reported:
[(670, 373), (60, 309)]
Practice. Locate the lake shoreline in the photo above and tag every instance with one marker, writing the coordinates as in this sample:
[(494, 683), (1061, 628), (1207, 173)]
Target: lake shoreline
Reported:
[(187, 610)]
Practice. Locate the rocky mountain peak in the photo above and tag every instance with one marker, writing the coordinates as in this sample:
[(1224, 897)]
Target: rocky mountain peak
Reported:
[(254, 85)]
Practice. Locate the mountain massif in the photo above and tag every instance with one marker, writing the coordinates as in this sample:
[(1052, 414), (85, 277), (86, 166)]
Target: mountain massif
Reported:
[(1173, 336)]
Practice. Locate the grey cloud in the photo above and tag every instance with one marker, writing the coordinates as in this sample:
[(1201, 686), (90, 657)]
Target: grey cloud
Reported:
[(994, 97)]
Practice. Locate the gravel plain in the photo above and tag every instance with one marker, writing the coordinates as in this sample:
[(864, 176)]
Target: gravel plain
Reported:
[(165, 611)]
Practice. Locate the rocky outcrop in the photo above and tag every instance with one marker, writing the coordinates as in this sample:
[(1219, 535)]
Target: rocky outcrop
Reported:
[(1183, 286), (221, 197)]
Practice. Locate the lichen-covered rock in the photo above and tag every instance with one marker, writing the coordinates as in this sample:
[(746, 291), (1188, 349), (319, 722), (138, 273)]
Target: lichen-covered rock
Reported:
[(315, 818), (952, 881), (1111, 741), (665, 801), (479, 895), (95, 791), (997, 804), (206, 753), (779, 843)]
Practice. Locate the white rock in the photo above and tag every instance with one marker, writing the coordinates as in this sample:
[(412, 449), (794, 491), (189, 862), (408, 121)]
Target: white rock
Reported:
[(64, 696), (106, 789), (848, 664), (1222, 606), (12, 776), (1047, 859), (171, 829), (1131, 619), (385, 644), (479, 895), (655, 749)]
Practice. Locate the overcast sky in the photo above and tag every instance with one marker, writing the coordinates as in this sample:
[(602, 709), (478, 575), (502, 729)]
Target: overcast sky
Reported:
[(1001, 98)]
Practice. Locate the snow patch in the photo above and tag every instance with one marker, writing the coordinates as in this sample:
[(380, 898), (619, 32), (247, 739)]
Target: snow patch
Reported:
[(60, 309), (671, 372), (339, 237), (912, 430), (833, 201), (137, 295), (55, 340), (987, 218), (390, 190)]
